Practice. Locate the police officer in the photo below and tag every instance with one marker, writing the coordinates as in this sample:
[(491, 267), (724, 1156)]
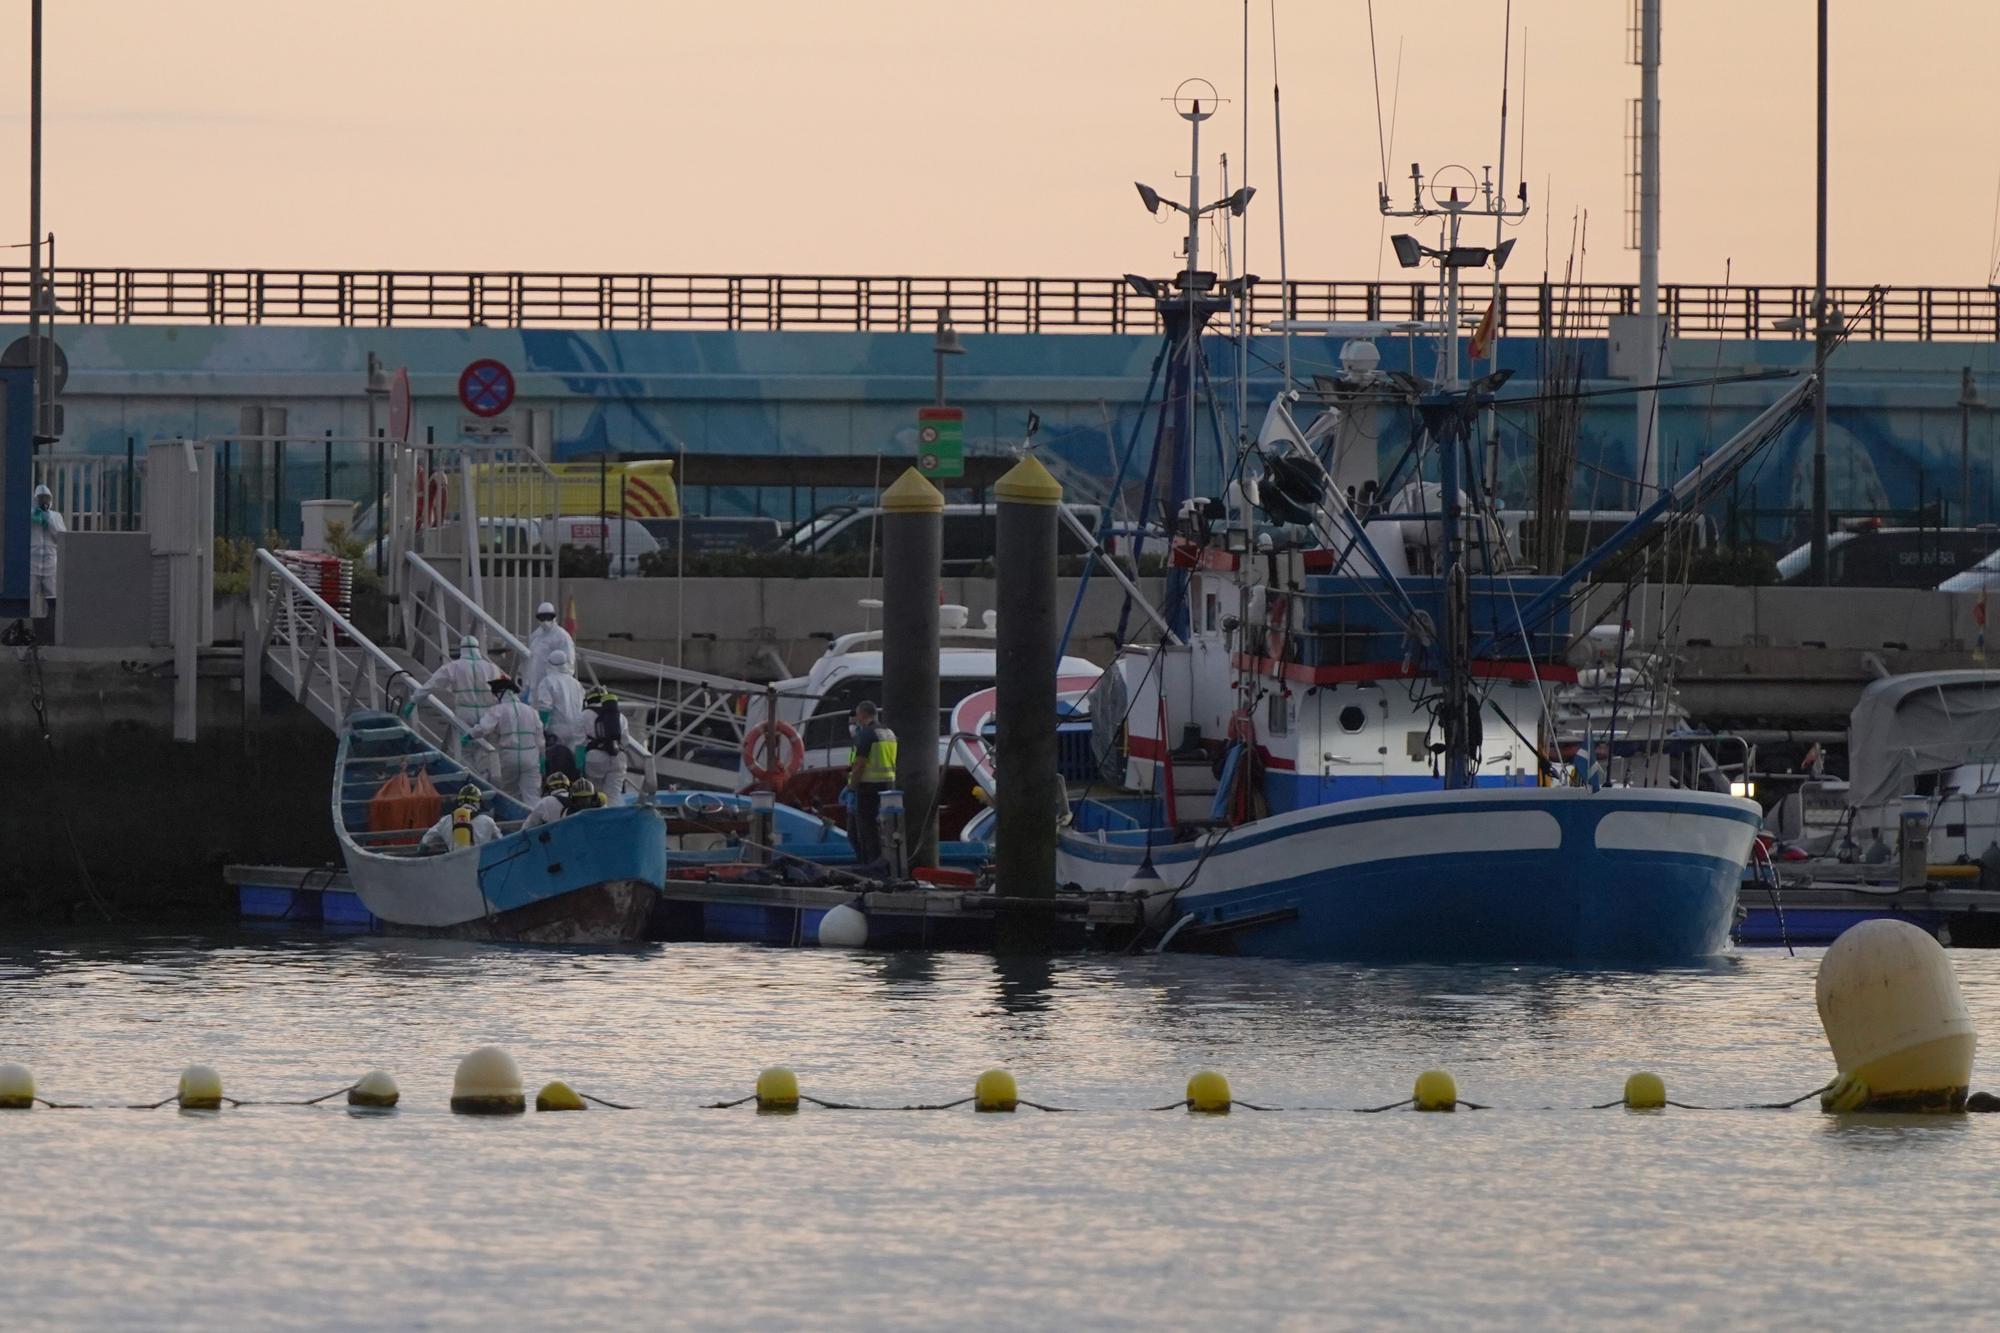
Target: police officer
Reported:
[(871, 771)]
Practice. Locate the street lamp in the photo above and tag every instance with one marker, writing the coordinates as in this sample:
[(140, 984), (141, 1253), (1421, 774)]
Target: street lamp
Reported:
[(946, 344), (1968, 398)]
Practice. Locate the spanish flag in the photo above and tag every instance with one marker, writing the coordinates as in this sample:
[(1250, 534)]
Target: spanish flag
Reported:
[(1481, 345), (569, 615)]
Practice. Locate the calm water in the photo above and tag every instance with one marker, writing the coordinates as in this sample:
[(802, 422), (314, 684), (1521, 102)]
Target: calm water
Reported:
[(672, 1214)]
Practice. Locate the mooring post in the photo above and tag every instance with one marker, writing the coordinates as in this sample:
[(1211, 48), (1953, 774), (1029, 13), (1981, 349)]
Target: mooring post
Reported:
[(1029, 790), (912, 556)]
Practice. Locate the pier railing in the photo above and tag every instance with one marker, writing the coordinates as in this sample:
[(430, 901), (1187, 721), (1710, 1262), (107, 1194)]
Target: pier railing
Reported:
[(328, 665), (379, 298)]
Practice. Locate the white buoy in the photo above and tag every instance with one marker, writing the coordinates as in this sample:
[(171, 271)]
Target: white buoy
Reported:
[(843, 927), (1893, 1014), (488, 1082), (17, 1088), (374, 1089)]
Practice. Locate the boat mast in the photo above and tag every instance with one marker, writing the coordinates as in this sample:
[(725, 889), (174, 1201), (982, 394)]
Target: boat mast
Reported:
[(1448, 410)]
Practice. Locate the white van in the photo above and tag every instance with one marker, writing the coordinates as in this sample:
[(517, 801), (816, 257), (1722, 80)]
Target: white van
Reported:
[(623, 540)]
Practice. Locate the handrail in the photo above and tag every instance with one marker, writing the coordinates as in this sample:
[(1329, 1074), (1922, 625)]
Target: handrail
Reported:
[(905, 303), (478, 612), (298, 588)]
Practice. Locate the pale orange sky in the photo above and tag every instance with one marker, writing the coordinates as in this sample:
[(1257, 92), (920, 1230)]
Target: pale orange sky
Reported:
[(945, 136)]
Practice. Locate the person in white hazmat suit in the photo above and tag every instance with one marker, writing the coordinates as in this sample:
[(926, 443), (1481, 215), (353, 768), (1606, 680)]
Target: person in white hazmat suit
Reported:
[(514, 730), (548, 639), (558, 697), (464, 826), (553, 805), (610, 735), (45, 524), (463, 684)]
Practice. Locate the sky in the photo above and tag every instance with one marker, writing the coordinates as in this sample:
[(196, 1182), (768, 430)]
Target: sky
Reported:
[(980, 138)]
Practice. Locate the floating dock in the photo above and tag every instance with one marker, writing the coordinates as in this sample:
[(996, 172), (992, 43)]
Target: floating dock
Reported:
[(1816, 913), (701, 906)]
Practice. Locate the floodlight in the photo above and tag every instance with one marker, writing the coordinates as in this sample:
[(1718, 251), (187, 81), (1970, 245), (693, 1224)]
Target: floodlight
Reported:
[(1145, 287), (1148, 196), (1500, 255), (1466, 256), (1409, 252), (1240, 200)]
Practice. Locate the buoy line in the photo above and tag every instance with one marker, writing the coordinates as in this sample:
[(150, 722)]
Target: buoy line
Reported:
[(488, 1082)]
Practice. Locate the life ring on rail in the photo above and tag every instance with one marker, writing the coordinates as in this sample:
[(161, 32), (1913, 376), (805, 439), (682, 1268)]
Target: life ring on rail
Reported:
[(440, 494), (782, 753), (1277, 616)]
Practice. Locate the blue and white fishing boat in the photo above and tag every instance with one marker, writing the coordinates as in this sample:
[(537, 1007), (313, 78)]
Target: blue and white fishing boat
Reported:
[(590, 878), (1341, 744)]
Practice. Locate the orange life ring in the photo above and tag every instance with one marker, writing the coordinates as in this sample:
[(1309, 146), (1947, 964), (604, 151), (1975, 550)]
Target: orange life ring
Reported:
[(783, 753), (1277, 609)]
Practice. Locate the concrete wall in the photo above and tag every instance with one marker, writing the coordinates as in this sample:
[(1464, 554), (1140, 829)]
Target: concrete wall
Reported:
[(154, 821), (733, 622), (1894, 437)]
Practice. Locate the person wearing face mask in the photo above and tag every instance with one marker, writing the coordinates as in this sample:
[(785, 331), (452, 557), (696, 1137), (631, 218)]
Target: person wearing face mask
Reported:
[(45, 525)]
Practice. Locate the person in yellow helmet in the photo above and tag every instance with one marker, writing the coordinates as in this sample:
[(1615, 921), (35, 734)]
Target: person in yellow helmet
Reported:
[(465, 826), (871, 771), (552, 806)]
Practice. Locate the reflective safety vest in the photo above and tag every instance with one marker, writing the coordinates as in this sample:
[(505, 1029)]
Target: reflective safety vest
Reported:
[(881, 765), (461, 826)]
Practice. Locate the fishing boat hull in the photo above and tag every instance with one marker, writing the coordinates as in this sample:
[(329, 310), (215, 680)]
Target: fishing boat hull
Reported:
[(1560, 875), (591, 878)]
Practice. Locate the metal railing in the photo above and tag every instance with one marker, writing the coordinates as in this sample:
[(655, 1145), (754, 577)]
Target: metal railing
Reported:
[(94, 492), (320, 658), (384, 297)]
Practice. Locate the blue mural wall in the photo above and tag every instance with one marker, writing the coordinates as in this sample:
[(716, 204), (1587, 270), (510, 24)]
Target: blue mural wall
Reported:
[(1894, 439)]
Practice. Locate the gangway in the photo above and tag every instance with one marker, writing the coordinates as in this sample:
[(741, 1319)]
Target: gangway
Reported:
[(687, 726)]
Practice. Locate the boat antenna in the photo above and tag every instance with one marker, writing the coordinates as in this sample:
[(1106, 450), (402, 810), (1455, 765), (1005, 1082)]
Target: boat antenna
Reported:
[(1246, 308), (1278, 150)]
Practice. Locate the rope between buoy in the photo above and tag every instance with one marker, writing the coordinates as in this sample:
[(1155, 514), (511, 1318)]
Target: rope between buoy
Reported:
[(616, 1106)]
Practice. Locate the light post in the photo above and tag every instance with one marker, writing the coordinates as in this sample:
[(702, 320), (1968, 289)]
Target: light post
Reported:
[(946, 344), (1822, 334), (1968, 398)]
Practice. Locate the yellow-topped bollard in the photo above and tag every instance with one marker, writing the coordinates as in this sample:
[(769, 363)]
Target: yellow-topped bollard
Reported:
[(200, 1089), (1208, 1093), (488, 1082), (1645, 1092), (777, 1089), (17, 1088), (995, 1091), (374, 1089), (1896, 1021), (1435, 1091), (558, 1096)]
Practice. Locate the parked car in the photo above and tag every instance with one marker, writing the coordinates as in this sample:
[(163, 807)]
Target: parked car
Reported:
[(715, 536), (970, 533), (1870, 556)]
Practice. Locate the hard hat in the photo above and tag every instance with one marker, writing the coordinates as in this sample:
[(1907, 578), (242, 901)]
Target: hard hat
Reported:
[(583, 787), (546, 611), (470, 795), (556, 782)]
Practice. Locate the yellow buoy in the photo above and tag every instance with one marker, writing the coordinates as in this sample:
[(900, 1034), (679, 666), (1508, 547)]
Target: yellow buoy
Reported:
[(1208, 1092), (374, 1088), (17, 1088), (488, 1082), (777, 1089), (1645, 1092), (1435, 1091), (995, 1091), (1895, 1019), (558, 1096), (200, 1089), (1847, 1093)]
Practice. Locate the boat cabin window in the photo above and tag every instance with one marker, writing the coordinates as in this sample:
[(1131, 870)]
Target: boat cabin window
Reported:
[(1209, 612), (1280, 723), (1352, 719)]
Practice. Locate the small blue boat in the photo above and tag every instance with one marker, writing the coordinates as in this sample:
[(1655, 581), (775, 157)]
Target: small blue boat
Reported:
[(590, 878)]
